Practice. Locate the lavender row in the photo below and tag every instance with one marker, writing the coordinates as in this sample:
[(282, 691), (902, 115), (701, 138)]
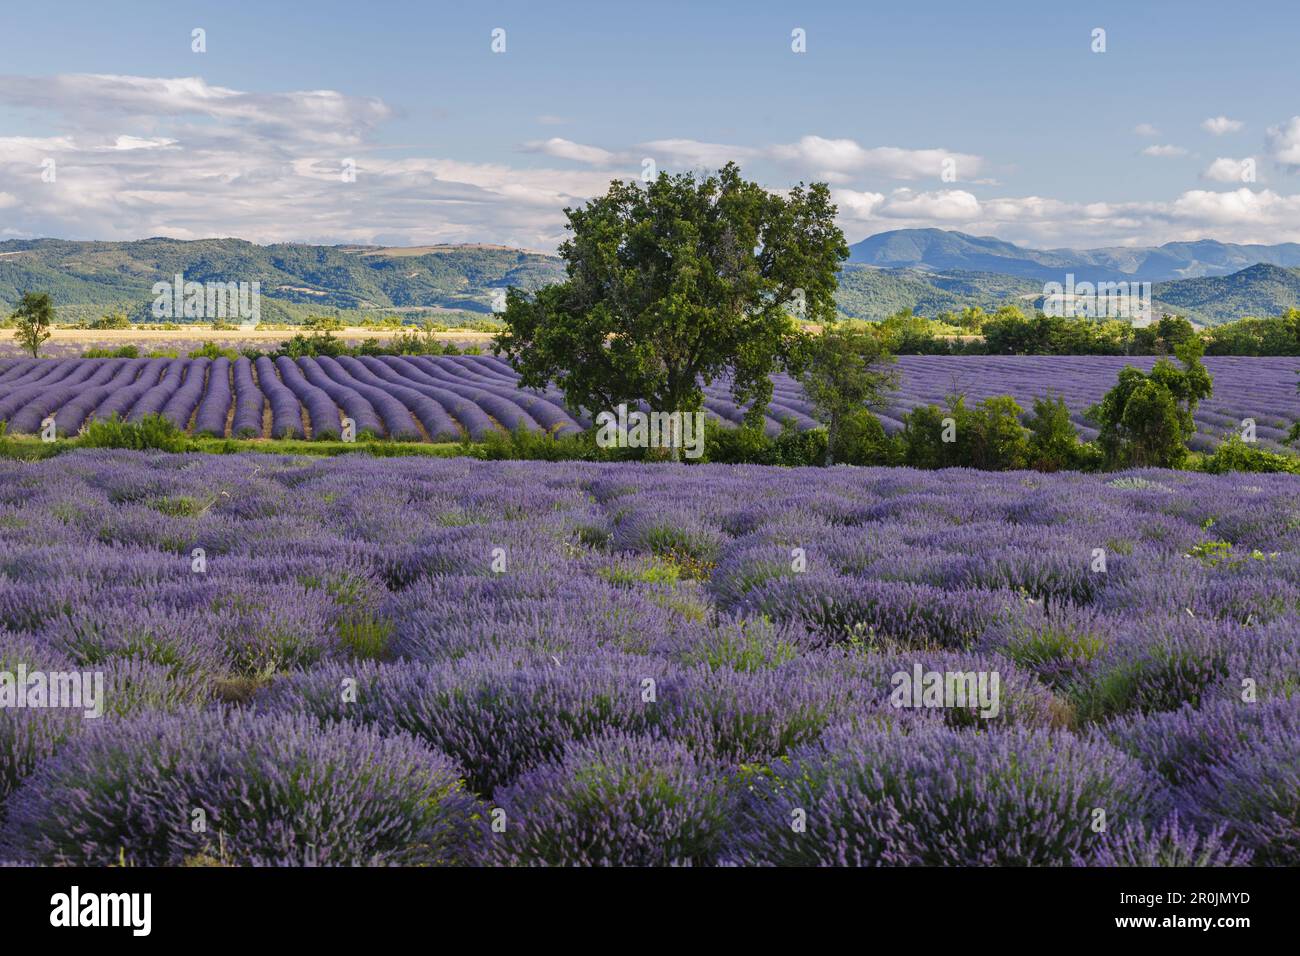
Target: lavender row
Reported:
[(444, 398)]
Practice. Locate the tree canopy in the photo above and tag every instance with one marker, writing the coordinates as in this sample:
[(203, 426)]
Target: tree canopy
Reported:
[(676, 283)]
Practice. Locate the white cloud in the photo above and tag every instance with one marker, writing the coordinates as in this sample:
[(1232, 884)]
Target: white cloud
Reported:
[(944, 205), (1164, 150), (186, 159), (1146, 129), (1228, 170), (1240, 215), (567, 149), (1284, 142), (99, 101), (1218, 125), (692, 154), (844, 156)]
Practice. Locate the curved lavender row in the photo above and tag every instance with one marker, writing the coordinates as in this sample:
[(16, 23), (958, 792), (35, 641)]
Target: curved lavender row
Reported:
[(32, 386), (397, 418), (11, 369), (396, 369), (72, 415), (437, 423), (507, 413), (49, 400), (180, 406), (89, 374), (352, 402), (249, 402), (286, 411), (210, 419), (501, 375), (40, 370), (121, 400), (152, 401), (545, 406), (476, 390)]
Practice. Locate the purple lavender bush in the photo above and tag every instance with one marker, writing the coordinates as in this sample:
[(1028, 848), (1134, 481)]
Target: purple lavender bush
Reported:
[(614, 800), (934, 796), (239, 789)]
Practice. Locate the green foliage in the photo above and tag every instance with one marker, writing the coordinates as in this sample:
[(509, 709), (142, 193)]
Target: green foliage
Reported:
[(122, 351), (422, 341), (1053, 441), (1250, 336), (997, 440), (152, 432), (322, 323), (1234, 454), (32, 320), (311, 346), (1146, 419), (922, 437), (988, 436), (212, 350), (749, 445), (861, 440), (524, 444), (843, 371), (114, 320), (681, 280)]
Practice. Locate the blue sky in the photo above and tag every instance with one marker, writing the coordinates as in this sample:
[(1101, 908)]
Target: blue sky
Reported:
[(1187, 126)]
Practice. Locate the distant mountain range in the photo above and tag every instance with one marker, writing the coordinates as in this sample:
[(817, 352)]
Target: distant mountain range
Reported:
[(926, 270), (943, 251), (88, 278)]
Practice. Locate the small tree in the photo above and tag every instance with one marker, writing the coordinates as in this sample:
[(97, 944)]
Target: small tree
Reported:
[(997, 439), (33, 318), (1053, 441), (844, 371), (1147, 418)]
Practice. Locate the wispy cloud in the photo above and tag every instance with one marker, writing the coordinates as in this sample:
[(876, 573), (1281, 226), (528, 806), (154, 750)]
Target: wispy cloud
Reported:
[(1219, 125), (139, 156), (1164, 150)]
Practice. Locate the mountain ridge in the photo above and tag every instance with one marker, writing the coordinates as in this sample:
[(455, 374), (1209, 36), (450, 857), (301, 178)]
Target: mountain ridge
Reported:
[(949, 271)]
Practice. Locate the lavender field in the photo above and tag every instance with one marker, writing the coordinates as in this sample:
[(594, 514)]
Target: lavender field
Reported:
[(445, 398), (402, 661)]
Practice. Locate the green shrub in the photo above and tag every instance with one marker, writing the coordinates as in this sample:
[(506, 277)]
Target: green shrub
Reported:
[(1234, 454), (124, 351), (212, 350), (1053, 441), (152, 432), (862, 441), (311, 346)]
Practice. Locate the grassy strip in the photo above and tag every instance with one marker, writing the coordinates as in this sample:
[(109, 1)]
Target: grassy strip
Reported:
[(31, 448)]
